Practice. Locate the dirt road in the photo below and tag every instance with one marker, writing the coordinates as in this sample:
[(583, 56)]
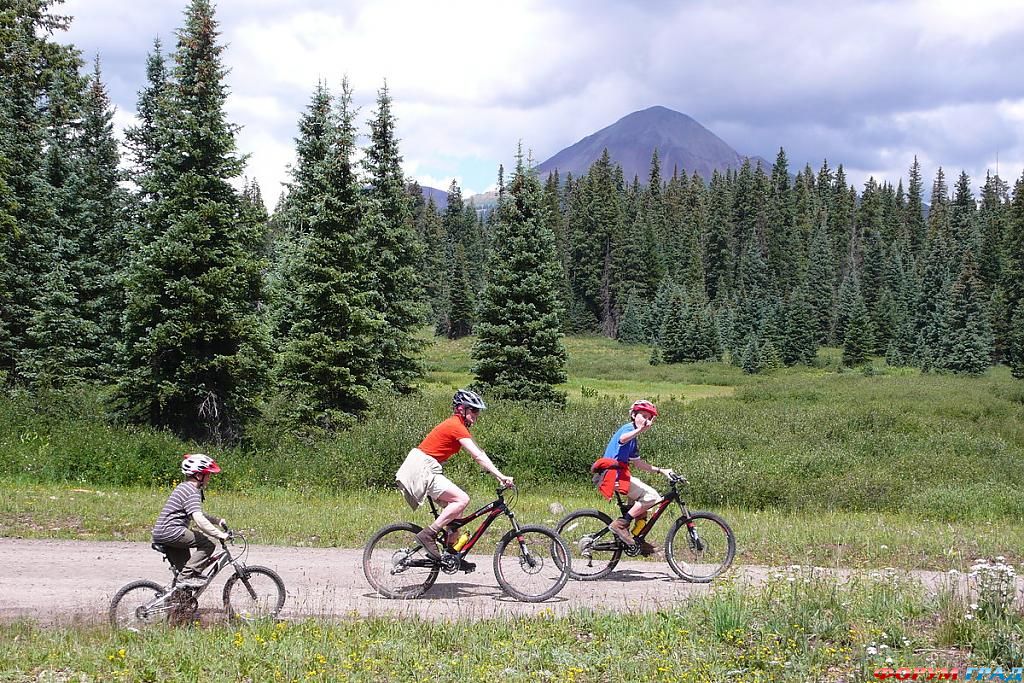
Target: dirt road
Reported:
[(72, 581)]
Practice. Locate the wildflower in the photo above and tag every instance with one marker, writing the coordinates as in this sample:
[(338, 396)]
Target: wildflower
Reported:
[(872, 650)]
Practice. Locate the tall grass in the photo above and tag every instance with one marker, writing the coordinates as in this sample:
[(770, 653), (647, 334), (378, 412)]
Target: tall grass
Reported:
[(939, 447), (803, 626)]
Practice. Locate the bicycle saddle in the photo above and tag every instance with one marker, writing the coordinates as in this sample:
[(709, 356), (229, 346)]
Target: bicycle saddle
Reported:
[(159, 547)]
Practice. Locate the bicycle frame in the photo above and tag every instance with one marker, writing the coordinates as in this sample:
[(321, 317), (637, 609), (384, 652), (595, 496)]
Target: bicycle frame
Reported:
[(218, 562), (492, 510), (667, 498)]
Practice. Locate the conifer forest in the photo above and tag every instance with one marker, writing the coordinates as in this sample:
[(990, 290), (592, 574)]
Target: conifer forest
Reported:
[(151, 267)]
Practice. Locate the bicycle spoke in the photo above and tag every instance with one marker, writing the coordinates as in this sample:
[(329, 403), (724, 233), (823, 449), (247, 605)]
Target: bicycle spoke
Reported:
[(396, 565), (532, 565)]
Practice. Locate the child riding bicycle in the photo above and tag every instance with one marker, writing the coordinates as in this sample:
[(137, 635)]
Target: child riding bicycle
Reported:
[(421, 474), (612, 473), (185, 505)]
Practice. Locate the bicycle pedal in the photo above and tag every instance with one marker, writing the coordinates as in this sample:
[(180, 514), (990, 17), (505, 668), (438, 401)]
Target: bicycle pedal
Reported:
[(467, 567)]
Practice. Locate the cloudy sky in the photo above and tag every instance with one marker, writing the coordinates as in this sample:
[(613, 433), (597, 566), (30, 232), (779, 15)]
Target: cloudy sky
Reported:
[(865, 84)]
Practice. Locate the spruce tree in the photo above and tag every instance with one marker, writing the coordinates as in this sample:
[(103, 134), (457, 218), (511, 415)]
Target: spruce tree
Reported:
[(102, 207), (800, 332), (394, 253), (820, 283), (33, 71), (750, 359), (325, 370), (519, 352), (1015, 349), (196, 352), (930, 309), (461, 313), (631, 326), (859, 338), (992, 219), (917, 230), (967, 343), (718, 249)]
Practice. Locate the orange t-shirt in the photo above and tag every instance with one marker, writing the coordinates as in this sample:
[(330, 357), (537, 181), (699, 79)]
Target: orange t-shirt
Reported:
[(443, 440)]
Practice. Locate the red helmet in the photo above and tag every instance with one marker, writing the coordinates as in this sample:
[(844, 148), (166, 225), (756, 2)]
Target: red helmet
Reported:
[(644, 404)]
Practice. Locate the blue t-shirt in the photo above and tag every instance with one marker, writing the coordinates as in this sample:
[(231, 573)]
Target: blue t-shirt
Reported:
[(623, 452)]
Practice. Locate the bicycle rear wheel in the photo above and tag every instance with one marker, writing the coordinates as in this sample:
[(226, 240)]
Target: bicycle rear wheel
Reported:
[(138, 606), (700, 547), (257, 593), (533, 564), (396, 565), (595, 549)]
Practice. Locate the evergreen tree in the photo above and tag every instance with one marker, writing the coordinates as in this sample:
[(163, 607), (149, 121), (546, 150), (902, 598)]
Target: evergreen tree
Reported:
[(631, 327), (992, 218), (325, 371), (962, 217), (718, 250), (784, 249), (930, 314), (859, 339), (1015, 350), (800, 332), (751, 358), (196, 351), (394, 253), (938, 211), (770, 358), (101, 229), (917, 230), (143, 139), (461, 297), (820, 283), (316, 132), (967, 343), (33, 72), (519, 350), (1013, 248)]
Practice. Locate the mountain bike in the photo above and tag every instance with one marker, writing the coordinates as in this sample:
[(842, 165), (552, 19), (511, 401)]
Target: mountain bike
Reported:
[(699, 547), (252, 593), (532, 563)]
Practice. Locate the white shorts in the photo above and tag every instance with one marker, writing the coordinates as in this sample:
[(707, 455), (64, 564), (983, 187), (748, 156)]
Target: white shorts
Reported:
[(641, 492)]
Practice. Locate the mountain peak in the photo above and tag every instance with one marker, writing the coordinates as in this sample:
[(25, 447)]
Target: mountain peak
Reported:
[(681, 141)]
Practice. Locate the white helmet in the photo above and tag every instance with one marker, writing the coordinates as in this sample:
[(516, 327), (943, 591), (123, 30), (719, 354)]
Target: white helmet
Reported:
[(197, 463)]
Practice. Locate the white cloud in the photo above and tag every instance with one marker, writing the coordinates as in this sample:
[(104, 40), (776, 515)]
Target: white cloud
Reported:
[(866, 83)]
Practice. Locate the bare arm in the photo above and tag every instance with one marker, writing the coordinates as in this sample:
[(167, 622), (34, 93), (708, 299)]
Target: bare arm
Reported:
[(483, 460), (642, 464)]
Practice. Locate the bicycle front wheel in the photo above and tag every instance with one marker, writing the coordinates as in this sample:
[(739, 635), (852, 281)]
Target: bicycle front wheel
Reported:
[(396, 565), (595, 549), (255, 593), (139, 605), (700, 547), (533, 564)]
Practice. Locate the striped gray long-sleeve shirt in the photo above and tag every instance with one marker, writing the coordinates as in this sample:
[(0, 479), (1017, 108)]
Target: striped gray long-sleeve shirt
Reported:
[(174, 518)]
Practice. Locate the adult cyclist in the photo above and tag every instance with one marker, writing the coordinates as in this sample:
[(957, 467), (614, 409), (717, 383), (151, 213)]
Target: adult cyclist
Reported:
[(421, 474)]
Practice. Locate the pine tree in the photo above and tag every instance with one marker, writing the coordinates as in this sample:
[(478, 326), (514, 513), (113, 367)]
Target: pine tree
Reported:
[(196, 350), (917, 230), (461, 314), (751, 358), (718, 249), (784, 249), (930, 313), (33, 72), (859, 339), (1015, 350), (967, 343), (325, 372), (143, 139), (992, 218), (938, 211), (631, 327), (394, 253), (101, 229), (519, 350), (800, 333), (316, 128), (963, 217), (820, 283)]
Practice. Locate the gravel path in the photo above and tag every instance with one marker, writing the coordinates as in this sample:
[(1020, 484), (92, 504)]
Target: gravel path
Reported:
[(57, 582)]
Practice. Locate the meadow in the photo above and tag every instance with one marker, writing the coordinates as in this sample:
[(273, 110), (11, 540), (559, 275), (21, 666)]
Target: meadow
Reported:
[(871, 468)]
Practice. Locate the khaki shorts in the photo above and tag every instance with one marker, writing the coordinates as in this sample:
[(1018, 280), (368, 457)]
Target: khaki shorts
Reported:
[(439, 483), (639, 491)]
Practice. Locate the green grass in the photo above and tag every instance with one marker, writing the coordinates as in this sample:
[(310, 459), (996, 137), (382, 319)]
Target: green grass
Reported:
[(283, 516), (802, 626)]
